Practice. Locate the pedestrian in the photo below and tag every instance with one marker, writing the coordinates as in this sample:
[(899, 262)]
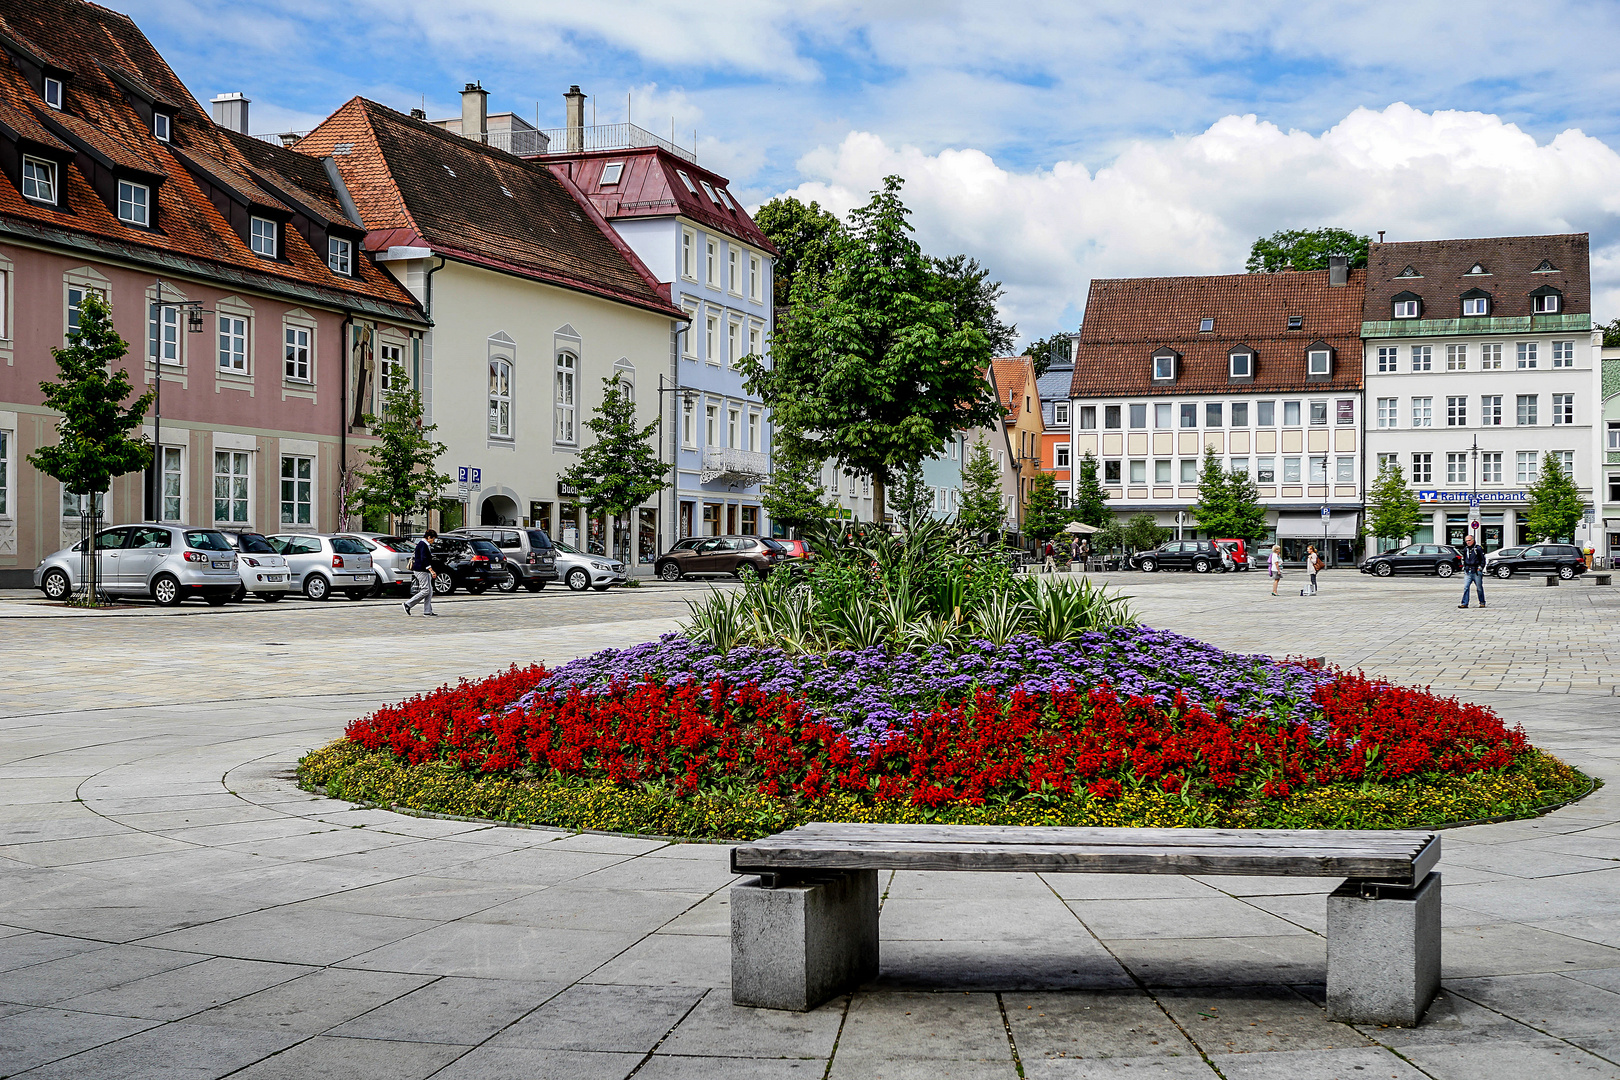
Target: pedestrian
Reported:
[(1313, 564), (1274, 568), (1473, 570), (422, 574), (1051, 559)]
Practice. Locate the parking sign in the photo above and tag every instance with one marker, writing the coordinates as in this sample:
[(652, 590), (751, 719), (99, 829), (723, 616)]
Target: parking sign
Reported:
[(461, 474), (477, 477)]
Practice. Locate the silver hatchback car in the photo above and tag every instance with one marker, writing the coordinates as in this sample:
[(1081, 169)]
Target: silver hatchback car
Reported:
[(581, 571), (166, 562), (318, 564)]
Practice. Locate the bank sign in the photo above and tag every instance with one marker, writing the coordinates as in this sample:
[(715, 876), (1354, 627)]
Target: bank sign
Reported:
[(1464, 498)]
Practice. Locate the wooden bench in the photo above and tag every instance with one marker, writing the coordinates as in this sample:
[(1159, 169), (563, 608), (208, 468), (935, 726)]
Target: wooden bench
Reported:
[(804, 925)]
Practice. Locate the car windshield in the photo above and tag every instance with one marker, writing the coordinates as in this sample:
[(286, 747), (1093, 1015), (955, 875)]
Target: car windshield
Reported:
[(253, 544), (485, 547), (208, 540), (394, 543), (349, 545), (560, 546), (538, 539), (772, 544)]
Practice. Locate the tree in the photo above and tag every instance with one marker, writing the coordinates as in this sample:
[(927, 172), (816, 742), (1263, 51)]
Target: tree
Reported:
[(619, 470), (93, 443), (1111, 537), (806, 238), (1090, 504), (912, 498), (1556, 506), (1305, 249), (1047, 351), (963, 284), (1393, 512), (870, 367), (792, 496), (1142, 533), (400, 477), (982, 510), (1611, 333), (1042, 517), (1228, 505), (1210, 510)]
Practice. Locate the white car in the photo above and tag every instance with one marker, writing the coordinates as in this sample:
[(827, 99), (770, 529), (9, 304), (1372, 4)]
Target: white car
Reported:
[(580, 571), (262, 570), (390, 559), (318, 564)]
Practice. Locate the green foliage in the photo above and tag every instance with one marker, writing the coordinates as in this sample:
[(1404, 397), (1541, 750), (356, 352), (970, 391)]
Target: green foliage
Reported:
[(400, 477), (1393, 512), (619, 470), (1090, 505), (1111, 538), (1556, 506), (793, 496), (1142, 533), (1611, 333), (966, 286), (1049, 350), (806, 238), (912, 499), (1228, 503), (1042, 517), (981, 510), (1305, 249)]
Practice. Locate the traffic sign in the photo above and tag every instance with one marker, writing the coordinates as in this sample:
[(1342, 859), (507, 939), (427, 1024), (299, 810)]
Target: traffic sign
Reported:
[(1326, 513), (477, 477), (461, 474)]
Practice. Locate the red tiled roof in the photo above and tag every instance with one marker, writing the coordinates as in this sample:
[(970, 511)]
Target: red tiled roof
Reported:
[(478, 204), (1011, 374), (226, 177), (1128, 319), (1510, 261)]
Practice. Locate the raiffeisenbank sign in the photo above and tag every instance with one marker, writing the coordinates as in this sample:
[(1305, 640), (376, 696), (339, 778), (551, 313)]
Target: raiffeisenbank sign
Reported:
[(1467, 497)]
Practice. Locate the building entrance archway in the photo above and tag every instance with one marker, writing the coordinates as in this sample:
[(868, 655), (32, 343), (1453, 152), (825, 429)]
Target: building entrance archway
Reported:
[(498, 510)]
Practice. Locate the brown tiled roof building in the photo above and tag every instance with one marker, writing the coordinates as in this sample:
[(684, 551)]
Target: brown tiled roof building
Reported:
[(1508, 272)]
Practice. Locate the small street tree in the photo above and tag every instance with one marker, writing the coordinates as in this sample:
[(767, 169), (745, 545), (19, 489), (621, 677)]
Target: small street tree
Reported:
[(912, 498), (1142, 533), (1090, 504), (793, 496), (981, 493), (1228, 505), (1556, 506), (400, 477), (619, 470), (1210, 511), (1393, 512), (1042, 517), (93, 444)]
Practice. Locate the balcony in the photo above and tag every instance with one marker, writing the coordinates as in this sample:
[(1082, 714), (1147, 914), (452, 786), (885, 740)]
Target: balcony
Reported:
[(1486, 324), (606, 137), (740, 468)]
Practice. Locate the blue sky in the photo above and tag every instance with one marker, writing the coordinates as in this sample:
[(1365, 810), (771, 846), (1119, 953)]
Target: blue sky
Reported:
[(1055, 142)]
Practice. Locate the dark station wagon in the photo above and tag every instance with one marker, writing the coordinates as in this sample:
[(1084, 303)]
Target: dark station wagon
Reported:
[(1441, 559)]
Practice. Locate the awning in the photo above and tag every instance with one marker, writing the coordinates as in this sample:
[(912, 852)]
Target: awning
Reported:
[(1341, 526)]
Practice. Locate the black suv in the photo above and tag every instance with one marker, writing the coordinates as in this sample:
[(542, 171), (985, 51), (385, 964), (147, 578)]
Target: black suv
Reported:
[(466, 562), (1200, 556), (1441, 559), (1565, 560), (531, 561)]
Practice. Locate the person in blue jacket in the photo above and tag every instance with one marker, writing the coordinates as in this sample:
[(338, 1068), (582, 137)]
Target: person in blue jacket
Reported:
[(422, 574)]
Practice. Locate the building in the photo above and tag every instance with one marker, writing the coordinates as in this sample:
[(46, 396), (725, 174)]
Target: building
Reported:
[(1480, 358), (1057, 452), (1013, 378), (1610, 544), (1264, 369), (716, 265), (535, 301), (233, 266)]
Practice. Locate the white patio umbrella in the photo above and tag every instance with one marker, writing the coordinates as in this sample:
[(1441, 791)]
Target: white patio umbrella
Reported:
[(1080, 527)]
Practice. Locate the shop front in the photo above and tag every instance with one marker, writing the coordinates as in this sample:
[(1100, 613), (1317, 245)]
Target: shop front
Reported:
[(1496, 518), (1335, 535)]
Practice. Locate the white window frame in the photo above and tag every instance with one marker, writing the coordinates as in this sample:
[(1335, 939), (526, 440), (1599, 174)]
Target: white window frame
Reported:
[(711, 426), (711, 327), (1614, 434), (1456, 468), (1527, 467), (1243, 359), (262, 242), (1476, 305), (1545, 304), (1526, 410), (297, 489), (234, 335), (1456, 410), (1422, 357), (1456, 357), (1060, 456), (1490, 356), (53, 92), (1566, 462), (754, 274), (1423, 412), (1423, 468), (754, 428), (174, 466), (49, 180), (689, 333), (163, 334), (500, 397), (6, 438), (687, 180), (236, 482), (733, 270), (756, 339), (1563, 409), (1319, 362), (711, 263), (1405, 309), (1291, 471), (1318, 465), (565, 398), (1389, 412), (1490, 467), (1164, 368), (298, 353), (1527, 355), (390, 363), (162, 126), (612, 172), (688, 423), (1345, 467), (733, 428), (133, 210), (1389, 358), (340, 255), (733, 342), (688, 254), (1060, 413), (1563, 354)]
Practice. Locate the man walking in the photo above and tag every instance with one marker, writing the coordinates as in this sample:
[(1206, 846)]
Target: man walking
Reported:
[(1473, 570), (422, 574)]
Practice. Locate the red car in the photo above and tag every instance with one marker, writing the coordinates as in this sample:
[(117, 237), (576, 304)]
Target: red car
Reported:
[(1238, 550), (797, 549)]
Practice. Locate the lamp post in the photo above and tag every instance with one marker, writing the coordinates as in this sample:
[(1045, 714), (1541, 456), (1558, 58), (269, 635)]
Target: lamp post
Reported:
[(1473, 494), (156, 340), (685, 394)]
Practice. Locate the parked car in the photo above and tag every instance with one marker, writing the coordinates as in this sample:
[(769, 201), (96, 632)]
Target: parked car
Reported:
[(796, 549), (1501, 553), (390, 560), (1238, 550), (1200, 556), (262, 569), (466, 562), (1565, 560), (166, 562), (581, 571), (318, 564), (1441, 559), (531, 558), (742, 556)]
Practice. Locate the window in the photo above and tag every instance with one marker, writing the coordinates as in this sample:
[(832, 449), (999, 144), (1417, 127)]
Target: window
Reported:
[(1476, 305), (1529, 468), (53, 92), (1161, 472), (1456, 412), (1527, 354), (1388, 358), (1111, 417), (1566, 461), (1422, 468), (687, 180), (733, 334), (1205, 325), (39, 180), (163, 333), (689, 423), (1490, 467), (1346, 410), (500, 398), (391, 367), (1387, 461), (1138, 472), (1456, 357), (564, 402), (5, 466), (1319, 470), (1060, 456), (340, 255), (1088, 418), (262, 237), (1318, 413), (1614, 495), (711, 433), (1295, 322), (611, 172), (1240, 414), (1387, 412), (1456, 468), (133, 203), (75, 297), (1242, 366), (173, 476), (688, 254), (1319, 362), (1490, 357), (296, 489), (77, 505), (231, 486), (1346, 470), (733, 416), (711, 262), (1138, 416), (1290, 414), (1189, 470), (1060, 413), (1266, 413), (1290, 470), (1545, 304), (1490, 410), (709, 191), (1614, 434), (1240, 466), (1212, 414), (753, 277), (711, 329), (1164, 367), (1422, 357), (754, 341), (1265, 470), (1161, 415), (1406, 309), (1423, 412), (1563, 408), (160, 126), (733, 270), (297, 366), (1527, 409), (1189, 414), (1563, 354)]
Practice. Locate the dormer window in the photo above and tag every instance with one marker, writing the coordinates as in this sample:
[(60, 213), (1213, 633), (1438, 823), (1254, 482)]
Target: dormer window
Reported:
[(1477, 269), (1318, 362), (1295, 322), (1408, 272), (1546, 267), (39, 180), (1240, 364), (611, 172), (1546, 302), (53, 92), (687, 180), (709, 191), (340, 255), (262, 237), (134, 204), (160, 126), (1164, 366), (725, 197), (1205, 325), (1406, 305), (1476, 302)]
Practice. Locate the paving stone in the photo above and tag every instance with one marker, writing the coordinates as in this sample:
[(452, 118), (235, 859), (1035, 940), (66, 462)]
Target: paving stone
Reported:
[(1246, 1020), (662, 1067), (622, 1019), (420, 897), (1218, 961), (518, 1063), (500, 952), (324, 1058), (670, 960), (1557, 1005), (199, 985), (1543, 1059), (1044, 918), (312, 1003), (578, 906), (878, 1065), (451, 1010), (1507, 948), (928, 1027), (1179, 918), (1133, 1068), (717, 1028), (171, 1052), (1091, 1024), (83, 973), (1075, 963), (293, 934), (1358, 1064), (38, 1036), (29, 948)]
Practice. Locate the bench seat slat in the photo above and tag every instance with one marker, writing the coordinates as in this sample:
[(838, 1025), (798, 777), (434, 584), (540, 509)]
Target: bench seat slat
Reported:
[(1023, 834)]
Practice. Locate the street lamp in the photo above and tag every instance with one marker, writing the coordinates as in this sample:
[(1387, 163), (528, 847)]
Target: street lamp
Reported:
[(194, 325), (686, 394), (1473, 494)]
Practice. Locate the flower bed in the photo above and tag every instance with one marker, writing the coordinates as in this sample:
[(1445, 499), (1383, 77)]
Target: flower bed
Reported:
[(1125, 726)]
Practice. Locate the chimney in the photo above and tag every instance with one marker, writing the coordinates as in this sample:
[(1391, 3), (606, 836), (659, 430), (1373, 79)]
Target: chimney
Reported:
[(231, 111), (288, 139), (418, 114), (576, 119), (475, 112), (1338, 270)]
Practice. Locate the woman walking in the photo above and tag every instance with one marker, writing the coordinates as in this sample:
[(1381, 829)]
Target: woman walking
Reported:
[(1274, 567)]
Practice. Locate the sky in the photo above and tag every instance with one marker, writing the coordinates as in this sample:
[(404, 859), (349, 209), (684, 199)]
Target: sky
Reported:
[(1054, 142)]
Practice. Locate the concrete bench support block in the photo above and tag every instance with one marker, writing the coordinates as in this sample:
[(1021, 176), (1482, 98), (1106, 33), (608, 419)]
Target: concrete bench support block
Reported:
[(1552, 580), (1601, 579), (798, 945), (1383, 952)]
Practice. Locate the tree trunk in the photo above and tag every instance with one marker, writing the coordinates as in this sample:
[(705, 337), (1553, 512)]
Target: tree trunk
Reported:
[(879, 509)]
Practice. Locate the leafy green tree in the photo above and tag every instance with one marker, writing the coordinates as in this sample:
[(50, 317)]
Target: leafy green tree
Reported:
[(1228, 505), (1611, 333), (1210, 511), (1305, 249), (93, 443), (1111, 537), (912, 498), (1556, 506), (982, 510), (793, 496), (619, 470), (806, 238), (966, 286), (400, 477), (1393, 512), (1042, 517), (1142, 533), (1090, 505), (870, 367), (1047, 351)]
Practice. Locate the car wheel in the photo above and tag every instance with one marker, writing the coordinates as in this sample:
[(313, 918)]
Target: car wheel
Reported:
[(216, 599), (534, 586), (271, 597), (240, 594), (166, 591), (443, 583), (1149, 565), (1383, 569), (669, 571), (578, 579), (357, 594), (56, 585), (1504, 572), (748, 572), (1566, 572), (511, 581), (1444, 569), (317, 588), (1201, 565)]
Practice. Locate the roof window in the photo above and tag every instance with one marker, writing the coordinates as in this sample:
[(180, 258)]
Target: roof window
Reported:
[(1546, 267), (612, 171), (1408, 272), (1477, 269), (160, 126), (687, 180), (709, 191), (726, 198), (53, 92), (342, 148), (1206, 324), (1296, 322), (449, 170), (507, 192)]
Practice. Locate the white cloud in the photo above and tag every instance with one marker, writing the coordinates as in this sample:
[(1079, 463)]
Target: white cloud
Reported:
[(1193, 205)]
